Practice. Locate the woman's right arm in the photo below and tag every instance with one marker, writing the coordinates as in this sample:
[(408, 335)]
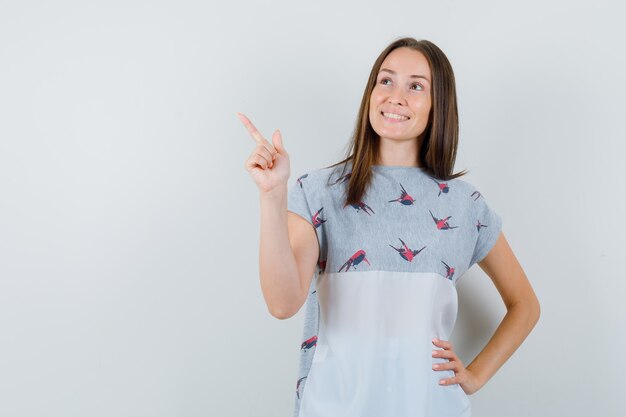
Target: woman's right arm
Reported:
[(287, 256), (289, 249)]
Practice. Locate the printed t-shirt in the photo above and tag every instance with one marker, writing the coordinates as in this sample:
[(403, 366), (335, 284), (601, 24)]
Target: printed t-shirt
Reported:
[(384, 287)]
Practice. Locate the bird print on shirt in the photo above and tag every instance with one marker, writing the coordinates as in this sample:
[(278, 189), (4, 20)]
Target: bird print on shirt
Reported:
[(317, 222), (309, 343), (404, 198), (321, 265), (298, 386), (405, 252), (443, 187), (442, 224), (354, 260), (362, 206), (449, 271), (300, 178), (342, 179)]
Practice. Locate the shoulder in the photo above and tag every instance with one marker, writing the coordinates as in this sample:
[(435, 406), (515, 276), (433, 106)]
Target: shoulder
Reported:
[(477, 203), (322, 178), (308, 178), (466, 193), (462, 185), (311, 182)]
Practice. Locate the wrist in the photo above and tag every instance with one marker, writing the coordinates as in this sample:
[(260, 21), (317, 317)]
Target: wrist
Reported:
[(479, 378), (279, 192)]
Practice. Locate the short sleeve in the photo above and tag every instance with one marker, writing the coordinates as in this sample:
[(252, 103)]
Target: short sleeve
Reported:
[(487, 226), (297, 200), (305, 199)]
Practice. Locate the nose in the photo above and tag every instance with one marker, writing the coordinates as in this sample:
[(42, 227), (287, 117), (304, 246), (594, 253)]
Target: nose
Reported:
[(396, 97)]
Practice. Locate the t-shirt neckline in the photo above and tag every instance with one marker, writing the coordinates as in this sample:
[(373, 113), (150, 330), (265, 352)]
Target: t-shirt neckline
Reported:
[(384, 167)]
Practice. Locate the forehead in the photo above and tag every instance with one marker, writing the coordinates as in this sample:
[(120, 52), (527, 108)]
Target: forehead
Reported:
[(406, 61)]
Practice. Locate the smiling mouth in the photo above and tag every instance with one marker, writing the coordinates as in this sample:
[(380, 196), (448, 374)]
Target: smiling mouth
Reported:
[(394, 117)]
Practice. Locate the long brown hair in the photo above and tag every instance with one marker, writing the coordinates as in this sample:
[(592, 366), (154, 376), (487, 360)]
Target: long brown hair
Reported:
[(439, 146)]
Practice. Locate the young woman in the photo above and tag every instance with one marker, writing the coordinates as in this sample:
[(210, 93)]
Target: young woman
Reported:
[(375, 246)]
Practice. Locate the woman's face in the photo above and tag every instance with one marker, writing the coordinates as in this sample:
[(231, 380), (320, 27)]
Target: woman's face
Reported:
[(402, 88)]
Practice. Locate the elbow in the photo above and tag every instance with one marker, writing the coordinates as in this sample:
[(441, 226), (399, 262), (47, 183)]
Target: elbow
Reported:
[(533, 311), (282, 313), (535, 308), (289, 308), (529, 307), (278, 314)]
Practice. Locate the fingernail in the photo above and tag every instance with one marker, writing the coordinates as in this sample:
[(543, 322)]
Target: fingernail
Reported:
[(442, 382), (435, 340), (435, 352)]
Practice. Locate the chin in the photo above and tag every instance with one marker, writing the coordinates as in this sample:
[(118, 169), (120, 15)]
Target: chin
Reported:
[(391, 134), (395, 137)]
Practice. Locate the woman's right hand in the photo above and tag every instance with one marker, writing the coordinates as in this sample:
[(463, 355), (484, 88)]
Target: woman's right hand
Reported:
[(268, 164)]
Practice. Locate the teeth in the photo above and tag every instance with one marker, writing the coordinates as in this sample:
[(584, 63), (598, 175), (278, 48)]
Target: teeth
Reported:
[(395, 116)]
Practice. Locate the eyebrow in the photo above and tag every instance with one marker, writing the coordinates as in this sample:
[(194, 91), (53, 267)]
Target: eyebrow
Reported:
[(412, 76)]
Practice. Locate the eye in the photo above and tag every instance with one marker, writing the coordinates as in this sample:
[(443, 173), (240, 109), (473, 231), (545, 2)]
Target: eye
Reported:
[(421, 87)]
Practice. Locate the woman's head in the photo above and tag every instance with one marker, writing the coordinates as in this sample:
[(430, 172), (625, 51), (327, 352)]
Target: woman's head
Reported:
[(402, 89), (430, 103)]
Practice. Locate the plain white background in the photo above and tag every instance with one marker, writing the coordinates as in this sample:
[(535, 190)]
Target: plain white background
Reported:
[(129, 229)]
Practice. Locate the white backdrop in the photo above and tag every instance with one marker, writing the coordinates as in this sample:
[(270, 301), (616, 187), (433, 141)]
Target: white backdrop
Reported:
[(129, 229)]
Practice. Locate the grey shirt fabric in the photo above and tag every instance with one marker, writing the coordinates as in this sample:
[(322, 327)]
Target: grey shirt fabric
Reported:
[(407, 221)]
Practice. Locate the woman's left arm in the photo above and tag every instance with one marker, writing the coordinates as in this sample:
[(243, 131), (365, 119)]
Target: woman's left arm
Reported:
[(522, 306)]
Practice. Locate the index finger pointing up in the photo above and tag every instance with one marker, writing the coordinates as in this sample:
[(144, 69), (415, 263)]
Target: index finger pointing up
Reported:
[(256, 135)]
